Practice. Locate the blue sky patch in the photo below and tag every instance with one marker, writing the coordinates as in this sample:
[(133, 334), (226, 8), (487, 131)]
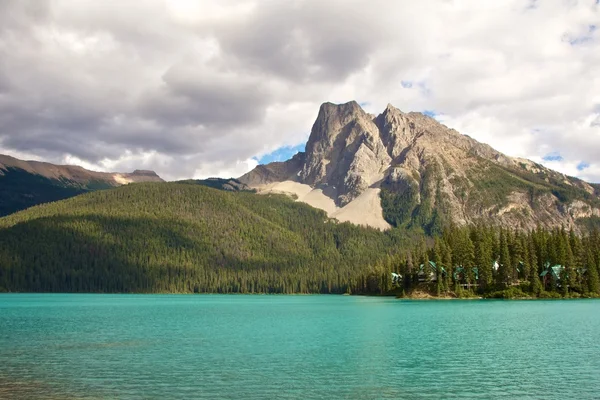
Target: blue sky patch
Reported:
[(281, 154), (574, 41), (406, 84), (582, 165), (430, 113), (554, 156)]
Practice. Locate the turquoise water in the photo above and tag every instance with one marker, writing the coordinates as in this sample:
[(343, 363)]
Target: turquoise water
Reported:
[(305, 347)]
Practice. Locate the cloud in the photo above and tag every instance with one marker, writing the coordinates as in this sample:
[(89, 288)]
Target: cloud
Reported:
[(199, 88)]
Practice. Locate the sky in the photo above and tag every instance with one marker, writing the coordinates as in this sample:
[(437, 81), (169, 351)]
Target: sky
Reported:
[(200, 88)]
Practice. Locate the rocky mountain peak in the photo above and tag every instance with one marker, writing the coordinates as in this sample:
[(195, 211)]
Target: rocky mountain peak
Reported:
[(331, 119), (426, 173), (344, 153)]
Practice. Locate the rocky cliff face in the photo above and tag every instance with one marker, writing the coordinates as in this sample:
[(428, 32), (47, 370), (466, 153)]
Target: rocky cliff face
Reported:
[(345, 152), (427, 174)]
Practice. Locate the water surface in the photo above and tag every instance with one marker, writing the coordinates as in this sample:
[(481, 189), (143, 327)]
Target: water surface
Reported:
[(309, 347)]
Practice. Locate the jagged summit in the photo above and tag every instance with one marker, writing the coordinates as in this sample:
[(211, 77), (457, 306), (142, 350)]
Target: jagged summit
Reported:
[(424, 173)]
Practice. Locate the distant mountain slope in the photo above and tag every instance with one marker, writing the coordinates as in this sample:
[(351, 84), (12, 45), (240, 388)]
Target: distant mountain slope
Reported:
[(176, 237), (232, 185), (425, 174), (27, 183)]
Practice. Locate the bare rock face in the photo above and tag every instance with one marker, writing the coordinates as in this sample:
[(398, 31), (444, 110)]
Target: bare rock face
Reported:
[(428, 174), (274, 172), (344, 154)]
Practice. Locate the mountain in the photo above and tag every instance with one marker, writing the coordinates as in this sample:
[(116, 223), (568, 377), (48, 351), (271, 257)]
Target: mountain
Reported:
[(27, 183), (231, 185), (181, 237), (407, 169)]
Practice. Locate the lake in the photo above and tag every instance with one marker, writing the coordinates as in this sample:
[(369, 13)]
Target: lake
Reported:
[(88, 346)]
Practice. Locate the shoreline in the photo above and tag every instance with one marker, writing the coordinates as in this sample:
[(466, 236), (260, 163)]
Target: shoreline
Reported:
[(418, 297)]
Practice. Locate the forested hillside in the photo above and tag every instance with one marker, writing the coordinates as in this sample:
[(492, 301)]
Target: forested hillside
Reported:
[(185, 237), (24, 184), (176, 237), (20, 190)]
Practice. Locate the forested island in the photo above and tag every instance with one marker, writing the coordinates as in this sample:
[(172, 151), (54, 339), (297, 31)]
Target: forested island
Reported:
[(189, 238)]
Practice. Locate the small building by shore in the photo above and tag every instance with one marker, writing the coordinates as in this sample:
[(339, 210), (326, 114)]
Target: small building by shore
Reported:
[(551, 276)]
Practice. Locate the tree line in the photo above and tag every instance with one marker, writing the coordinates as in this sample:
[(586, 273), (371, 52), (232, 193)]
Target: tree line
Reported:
[(497, 262)]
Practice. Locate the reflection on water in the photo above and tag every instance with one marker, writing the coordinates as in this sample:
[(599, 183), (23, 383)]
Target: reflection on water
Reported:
[(317, 347)]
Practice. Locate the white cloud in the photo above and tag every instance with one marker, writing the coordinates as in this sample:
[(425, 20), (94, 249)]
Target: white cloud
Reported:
[(194, 88), (229, 169)]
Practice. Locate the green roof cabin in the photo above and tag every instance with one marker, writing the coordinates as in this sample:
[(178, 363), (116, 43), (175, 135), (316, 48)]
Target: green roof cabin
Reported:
[(551, 274), (460, 273), (430, 272)]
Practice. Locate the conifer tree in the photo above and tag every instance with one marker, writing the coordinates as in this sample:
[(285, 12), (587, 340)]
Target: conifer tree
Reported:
[(593, 280), (437, 260), (504, 261), (410, 271), (484, 260)]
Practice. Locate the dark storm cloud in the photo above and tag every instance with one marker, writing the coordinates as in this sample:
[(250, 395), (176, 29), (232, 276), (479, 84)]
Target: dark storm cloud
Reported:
[(308, 40), (195, 96)]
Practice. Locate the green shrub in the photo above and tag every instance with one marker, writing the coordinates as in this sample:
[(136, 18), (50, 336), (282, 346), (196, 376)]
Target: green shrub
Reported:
[(550, 295), (510, 293)]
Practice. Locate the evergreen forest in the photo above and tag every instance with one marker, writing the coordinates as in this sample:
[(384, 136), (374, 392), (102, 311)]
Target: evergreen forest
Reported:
[(189, 238)]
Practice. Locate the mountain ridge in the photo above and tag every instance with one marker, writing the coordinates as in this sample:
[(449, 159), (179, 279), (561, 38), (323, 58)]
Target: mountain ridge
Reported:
[(28, 183), (74, 172)]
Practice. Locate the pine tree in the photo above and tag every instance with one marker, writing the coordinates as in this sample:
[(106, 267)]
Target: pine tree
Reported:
[(410, 271), (484, 259), (593, 279), (437, 260), (504, 261), (516, 254)]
